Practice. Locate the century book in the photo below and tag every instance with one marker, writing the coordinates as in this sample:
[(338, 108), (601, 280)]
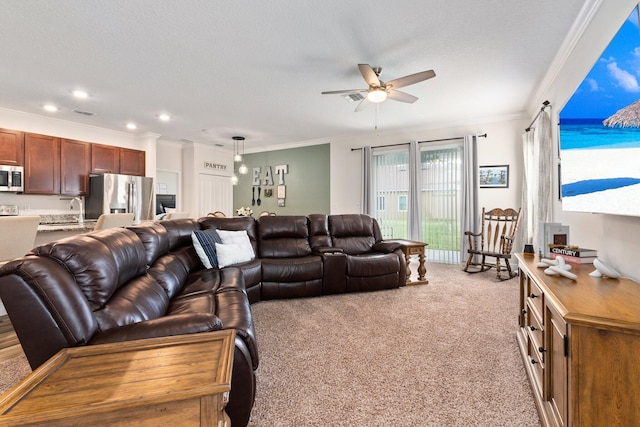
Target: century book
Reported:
[(574, 251), (574, 259)]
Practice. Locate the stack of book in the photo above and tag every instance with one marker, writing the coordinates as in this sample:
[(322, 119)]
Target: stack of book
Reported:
[(574, 254)]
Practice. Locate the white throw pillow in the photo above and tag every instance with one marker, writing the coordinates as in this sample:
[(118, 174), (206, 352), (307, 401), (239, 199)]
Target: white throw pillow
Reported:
[(239, 250), (232, 254)]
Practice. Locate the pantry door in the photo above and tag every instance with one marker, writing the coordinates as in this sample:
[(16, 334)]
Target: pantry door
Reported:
[(215, 194)]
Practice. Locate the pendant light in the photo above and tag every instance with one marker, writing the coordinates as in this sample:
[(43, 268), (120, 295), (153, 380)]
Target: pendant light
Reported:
[(236, 153), (243, 169)]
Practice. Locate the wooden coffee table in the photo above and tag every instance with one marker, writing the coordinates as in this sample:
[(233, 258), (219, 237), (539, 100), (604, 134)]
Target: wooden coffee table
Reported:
[(171, 381), (409, 248)]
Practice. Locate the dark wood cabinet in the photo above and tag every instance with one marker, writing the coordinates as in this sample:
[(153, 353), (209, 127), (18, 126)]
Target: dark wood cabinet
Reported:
[(75, 165), (132, 162), (55, 165), (11, 147), (41, 164), (110, 159), (105, 159)]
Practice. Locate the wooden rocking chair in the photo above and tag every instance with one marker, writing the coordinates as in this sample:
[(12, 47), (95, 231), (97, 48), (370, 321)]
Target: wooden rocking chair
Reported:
[(494, 240)]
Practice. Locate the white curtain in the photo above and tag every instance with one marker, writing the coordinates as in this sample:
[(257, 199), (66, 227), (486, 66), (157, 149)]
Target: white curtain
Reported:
[(537, 193), (470, 185), (415, 191), (524, 234), (543, 194), (366, 203)]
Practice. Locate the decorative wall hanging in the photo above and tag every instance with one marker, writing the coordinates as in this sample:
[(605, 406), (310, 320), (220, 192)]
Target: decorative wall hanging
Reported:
[(494, 176), (282, 191)]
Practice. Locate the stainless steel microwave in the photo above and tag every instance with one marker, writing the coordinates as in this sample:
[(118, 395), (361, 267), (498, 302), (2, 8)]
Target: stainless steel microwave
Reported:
[(11, 178)]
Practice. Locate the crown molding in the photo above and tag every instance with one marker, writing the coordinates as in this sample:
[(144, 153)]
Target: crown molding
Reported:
[(577, 30)]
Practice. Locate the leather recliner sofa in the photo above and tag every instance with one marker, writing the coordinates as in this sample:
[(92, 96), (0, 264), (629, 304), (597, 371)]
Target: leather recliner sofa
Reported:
[(148, 281)]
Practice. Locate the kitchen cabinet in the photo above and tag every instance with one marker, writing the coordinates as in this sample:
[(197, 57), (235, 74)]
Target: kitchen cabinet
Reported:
[(132, 162), (105, 159), (11, 147), (75, 165), (41, 164), (62, 166), (110, 159)]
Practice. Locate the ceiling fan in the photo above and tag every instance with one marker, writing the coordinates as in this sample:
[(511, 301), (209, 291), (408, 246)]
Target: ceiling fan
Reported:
[(378, 90)]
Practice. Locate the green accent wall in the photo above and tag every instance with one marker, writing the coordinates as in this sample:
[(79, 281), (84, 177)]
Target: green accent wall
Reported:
[(307, 183)]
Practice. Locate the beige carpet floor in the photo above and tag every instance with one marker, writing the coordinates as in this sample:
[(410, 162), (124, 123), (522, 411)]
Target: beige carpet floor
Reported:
[(442, 354)]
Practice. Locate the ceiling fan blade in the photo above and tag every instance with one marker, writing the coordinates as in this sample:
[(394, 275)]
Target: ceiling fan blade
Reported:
[(369, 75), (363, 104), (330, 92), (410, 79), (396, 95)]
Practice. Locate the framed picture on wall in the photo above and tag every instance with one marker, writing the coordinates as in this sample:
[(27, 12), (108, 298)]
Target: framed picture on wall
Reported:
[(494, 176)]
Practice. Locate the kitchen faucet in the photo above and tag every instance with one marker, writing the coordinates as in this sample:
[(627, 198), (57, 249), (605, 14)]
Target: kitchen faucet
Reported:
[(80, 206)]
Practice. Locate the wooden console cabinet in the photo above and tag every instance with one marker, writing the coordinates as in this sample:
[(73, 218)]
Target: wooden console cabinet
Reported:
[(181, 380), (580, 343)]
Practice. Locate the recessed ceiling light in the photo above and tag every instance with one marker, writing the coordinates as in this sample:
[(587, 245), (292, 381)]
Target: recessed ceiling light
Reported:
[(81, 94), (164, 117), (50, 108), (131, 126)]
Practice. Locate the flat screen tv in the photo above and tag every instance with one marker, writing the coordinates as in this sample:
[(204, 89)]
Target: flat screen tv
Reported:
[(600, 132), (165, 201)]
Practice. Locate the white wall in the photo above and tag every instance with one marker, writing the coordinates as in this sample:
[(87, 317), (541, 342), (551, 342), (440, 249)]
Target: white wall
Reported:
[(502, 146), (169, 160), (615, 237)]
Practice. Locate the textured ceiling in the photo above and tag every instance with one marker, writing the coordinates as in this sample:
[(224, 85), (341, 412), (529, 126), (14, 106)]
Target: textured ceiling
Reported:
[(256, 68)]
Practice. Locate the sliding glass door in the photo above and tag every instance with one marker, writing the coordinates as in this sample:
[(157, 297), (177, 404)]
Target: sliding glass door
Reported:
[(391, 189), (439, 208), (441, 201)]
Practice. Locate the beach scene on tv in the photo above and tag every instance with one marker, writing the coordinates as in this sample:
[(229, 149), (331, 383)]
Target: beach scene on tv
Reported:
[(600, 132)]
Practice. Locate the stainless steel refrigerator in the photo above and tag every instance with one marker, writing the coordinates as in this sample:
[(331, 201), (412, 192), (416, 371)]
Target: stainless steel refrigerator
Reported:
[(114, 193)]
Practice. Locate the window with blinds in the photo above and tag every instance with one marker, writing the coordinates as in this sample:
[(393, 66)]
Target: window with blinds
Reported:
[(440, 178)]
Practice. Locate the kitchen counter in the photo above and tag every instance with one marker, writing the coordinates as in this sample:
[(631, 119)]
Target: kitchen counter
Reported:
[(64, 222), (56, 227), (88, 226)]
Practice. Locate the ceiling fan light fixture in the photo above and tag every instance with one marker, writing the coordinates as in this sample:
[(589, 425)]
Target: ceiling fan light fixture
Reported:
[(377, 95)]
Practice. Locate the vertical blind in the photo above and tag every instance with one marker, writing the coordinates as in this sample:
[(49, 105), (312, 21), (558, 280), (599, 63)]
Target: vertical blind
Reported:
[(439, 195), (391, 189), (441, 201)]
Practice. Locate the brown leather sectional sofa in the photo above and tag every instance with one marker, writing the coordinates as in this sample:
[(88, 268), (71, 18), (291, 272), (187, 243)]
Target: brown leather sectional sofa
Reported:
[(148, 281)]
